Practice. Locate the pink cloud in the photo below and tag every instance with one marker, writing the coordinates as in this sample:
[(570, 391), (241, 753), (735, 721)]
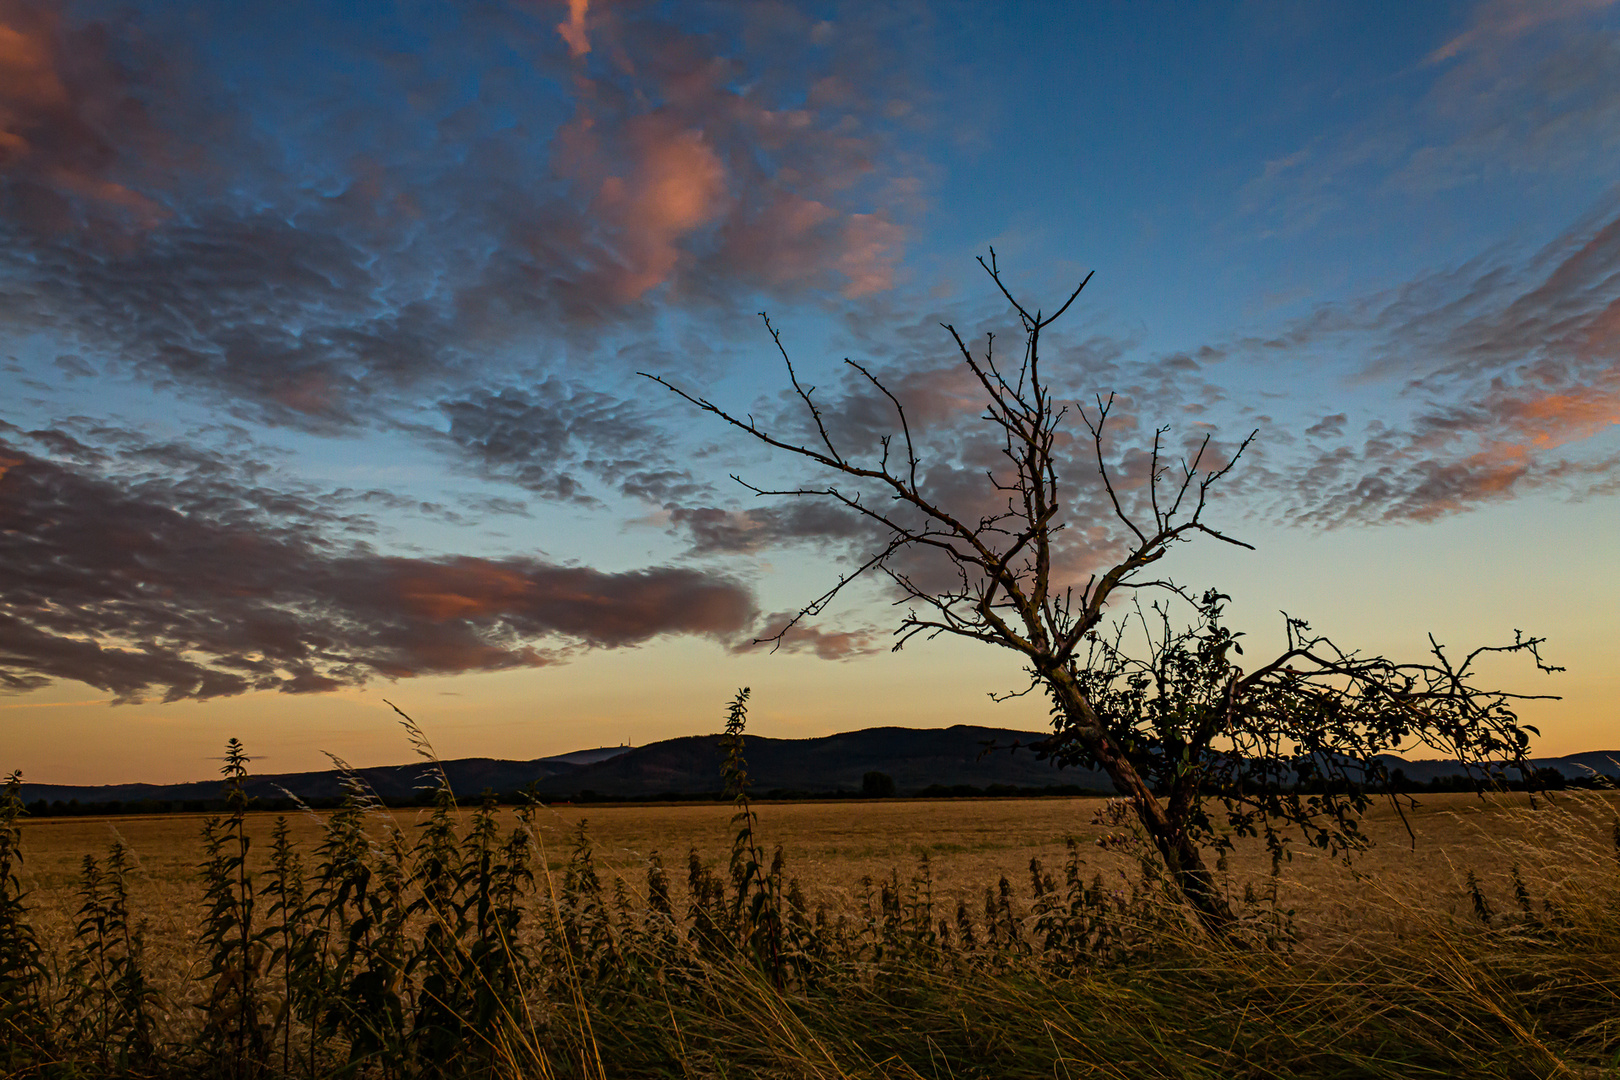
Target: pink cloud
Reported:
[(1511, 374), (676, 184), (689, 179), (1458, 458), (1551, 420), (871, 246), (785, 241), (62, 101), (573, 31)]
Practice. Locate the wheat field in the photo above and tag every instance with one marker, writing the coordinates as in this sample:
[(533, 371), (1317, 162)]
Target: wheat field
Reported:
[(1483, 942), (830, 846)]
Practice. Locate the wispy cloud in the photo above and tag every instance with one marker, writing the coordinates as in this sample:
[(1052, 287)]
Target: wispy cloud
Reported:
[(961, 457), (701, 167), (809, 637), (1525, 89), (1506, 380), (1497, 23), (568, 442)]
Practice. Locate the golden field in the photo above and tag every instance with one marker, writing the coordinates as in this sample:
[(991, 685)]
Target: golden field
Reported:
[(1385, 968), (831, 846)]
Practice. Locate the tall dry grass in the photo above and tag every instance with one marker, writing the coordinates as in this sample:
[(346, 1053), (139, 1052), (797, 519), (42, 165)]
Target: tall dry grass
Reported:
[(469, 945)]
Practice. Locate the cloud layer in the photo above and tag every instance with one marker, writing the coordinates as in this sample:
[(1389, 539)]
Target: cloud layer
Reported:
[(468, 225), (148, 585), (70, 122), (1507, 379), (389, 260)]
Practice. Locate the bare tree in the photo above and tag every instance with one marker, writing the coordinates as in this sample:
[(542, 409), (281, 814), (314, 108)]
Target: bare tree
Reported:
[(1172, 720)]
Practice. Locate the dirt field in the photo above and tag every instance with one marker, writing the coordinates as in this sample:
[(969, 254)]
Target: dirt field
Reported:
[(970, 844)]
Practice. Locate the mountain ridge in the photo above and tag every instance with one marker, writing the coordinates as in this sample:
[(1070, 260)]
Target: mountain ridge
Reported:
[(915, 758)]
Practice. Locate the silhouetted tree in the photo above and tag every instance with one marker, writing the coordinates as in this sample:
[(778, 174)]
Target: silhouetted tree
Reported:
[(877, 785), (1164, 710)]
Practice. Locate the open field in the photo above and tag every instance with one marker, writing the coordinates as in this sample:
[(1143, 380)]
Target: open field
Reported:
[(831, 846), (1385, 968)]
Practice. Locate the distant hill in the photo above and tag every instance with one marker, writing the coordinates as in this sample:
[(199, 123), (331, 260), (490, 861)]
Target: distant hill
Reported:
[(589, 757), (916, 759), (467, 776), (686, 766), (1572, 766)]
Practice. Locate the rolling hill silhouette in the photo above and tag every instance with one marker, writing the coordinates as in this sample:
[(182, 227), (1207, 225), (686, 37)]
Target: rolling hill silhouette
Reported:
[(916, 759)]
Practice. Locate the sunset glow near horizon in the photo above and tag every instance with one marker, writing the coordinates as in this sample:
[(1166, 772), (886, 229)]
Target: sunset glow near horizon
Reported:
[(321, 325)]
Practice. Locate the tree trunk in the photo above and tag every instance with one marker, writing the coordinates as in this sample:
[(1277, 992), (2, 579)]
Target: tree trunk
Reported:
[(1182, 857)]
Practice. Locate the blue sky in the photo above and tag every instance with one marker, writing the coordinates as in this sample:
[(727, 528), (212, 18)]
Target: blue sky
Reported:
[(320, 327)]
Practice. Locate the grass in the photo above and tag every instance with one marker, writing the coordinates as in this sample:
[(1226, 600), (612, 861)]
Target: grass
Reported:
[(833, 845), (466, 942)]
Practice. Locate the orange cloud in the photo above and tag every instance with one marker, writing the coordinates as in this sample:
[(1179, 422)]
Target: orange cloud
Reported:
[(1570, 410), (1435, 489), (676, 184), (785, 242), (465, 588), (1556, 419), (688, 176), (29, 84), (573, 31), (1515, 432), (654, 181), (60, 99), (193, 596)]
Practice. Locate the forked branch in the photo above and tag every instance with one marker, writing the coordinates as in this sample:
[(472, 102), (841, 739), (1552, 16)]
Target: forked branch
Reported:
[(1181, 724)]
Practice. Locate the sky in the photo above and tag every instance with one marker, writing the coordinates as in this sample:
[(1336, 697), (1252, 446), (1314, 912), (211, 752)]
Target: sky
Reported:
[(322, 328)]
